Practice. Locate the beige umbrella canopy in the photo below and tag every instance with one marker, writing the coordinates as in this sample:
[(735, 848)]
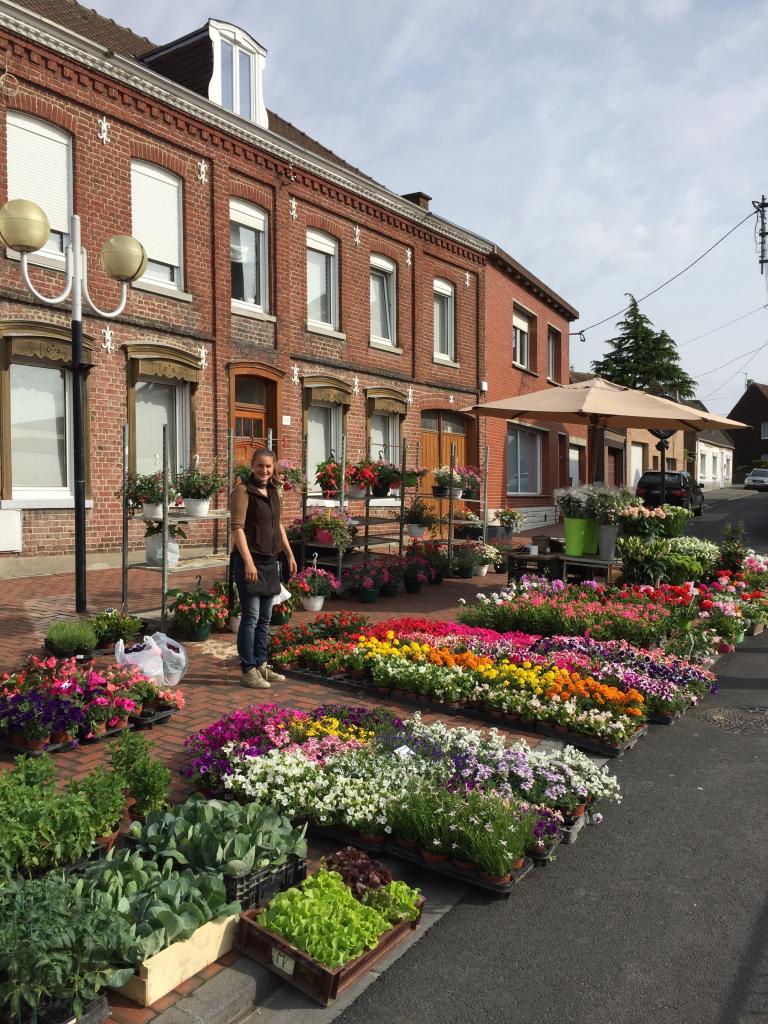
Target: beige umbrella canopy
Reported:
[(599, 403)]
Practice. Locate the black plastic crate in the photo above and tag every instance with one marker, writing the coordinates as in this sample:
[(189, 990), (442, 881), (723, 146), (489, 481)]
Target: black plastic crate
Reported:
[(258, 888)]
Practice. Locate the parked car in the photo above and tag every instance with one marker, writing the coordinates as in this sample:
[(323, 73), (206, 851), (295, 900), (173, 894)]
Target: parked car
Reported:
[(757, 480), (679, 489)]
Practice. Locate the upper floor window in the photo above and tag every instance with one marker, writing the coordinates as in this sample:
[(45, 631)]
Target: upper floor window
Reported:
[(322, 280), (553, 353), (40, 169), (238, 69), (521, 343), (248, 254), (764, 431), (383, 292), (443, 320), (156, 198)]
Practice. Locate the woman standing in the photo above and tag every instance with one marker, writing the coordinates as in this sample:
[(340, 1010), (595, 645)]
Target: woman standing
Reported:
[(258, 536)]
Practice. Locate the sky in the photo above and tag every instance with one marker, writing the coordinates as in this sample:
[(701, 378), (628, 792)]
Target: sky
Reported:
[(605, 144)]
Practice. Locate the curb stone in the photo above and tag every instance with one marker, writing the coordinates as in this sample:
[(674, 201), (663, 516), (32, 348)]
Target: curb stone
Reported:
[(224, 999)]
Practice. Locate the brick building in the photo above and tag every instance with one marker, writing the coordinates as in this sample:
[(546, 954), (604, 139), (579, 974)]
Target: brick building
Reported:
[(286, 291), (750, 446)]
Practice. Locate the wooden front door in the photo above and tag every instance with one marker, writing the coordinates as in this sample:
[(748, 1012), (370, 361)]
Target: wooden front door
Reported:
[(439, 430), (252, 415)]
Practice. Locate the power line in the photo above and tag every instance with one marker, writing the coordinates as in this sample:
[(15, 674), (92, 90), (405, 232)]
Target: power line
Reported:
[(730, 323), (576, 334), (735, 358), (734, 374)]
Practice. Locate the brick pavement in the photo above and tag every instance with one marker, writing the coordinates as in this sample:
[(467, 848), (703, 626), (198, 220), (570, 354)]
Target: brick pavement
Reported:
[(211, 687)]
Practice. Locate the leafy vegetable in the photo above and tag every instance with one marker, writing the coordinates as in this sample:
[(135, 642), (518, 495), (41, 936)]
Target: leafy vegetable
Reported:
[(358, 870)]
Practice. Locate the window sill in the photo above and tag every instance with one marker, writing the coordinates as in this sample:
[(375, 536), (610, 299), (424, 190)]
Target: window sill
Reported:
[(41, 503), (551, 380), (525, 494), (40, 259), (325, 329), (251, 312), (444, 361), (163, 289), (385, 346), (525, 369)]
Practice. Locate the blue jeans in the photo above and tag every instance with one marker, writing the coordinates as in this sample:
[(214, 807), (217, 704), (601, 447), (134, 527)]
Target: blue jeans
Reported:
[(255, 614)]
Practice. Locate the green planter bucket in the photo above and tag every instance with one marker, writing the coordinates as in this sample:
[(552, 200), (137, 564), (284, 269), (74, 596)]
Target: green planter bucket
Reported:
[(591, 537), (389, 589), (199, 634), (367, 596), (575, 530)]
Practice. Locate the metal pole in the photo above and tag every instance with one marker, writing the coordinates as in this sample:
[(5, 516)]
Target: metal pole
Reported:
[(269, 438), (124, 590), (78, 416), (450, 503), (166, 481), (403, 464), (485, 495)]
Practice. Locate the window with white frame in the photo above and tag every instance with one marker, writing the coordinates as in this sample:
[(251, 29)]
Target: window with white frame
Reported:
[(383, 300), (553, 353), (41, 431), (40, 169), (237, 79), (322, 280), (156, 205), (248, 254), (443, 319), (703, 466), (384, 437), (764, 431), (161, 403), (324, 434), (714, 466), (523, 460), (521, 334)]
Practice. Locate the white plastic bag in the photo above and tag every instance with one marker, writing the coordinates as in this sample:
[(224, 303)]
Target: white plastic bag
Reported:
[(175, 659), (283, 595), (149, 659)]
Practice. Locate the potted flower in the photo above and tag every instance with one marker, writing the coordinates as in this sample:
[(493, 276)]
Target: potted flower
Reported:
[(194, 611), (313, 585), (416, 572), (394, 567), (197, 488), (153, 542), (606, 506), (467, 525), (145, 491), (413, 475), (282, 613), (470, 476), (288, 476), (448, 483), (387, 475), (328, 476), (367, 579), (69, 637), (509, 520), (327, 526), (360, 476), (419, 517), (467, 557), (488, 555), (572, 503)]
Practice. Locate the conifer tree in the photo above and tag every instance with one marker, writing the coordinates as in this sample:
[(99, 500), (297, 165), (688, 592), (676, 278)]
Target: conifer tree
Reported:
[(643, 358)]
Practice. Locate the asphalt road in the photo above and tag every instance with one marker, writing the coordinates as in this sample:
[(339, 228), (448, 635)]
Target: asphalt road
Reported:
[(734, 504), (658, 916)]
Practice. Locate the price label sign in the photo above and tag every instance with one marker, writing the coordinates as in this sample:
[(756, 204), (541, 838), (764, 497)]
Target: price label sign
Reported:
[(284, 963)]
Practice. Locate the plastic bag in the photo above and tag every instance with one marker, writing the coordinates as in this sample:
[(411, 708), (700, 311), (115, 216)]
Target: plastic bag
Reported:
[(282, 596), (149, 659), (175, 658)]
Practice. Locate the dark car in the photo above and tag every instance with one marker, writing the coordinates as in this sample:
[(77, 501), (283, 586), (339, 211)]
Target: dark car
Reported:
[(679, 489)]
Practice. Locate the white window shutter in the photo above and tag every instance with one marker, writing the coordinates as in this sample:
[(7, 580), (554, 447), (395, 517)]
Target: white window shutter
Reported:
[(40, 167), (156, 212)]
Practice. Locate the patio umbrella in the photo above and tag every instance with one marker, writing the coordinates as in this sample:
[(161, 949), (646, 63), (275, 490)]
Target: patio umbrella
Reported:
[(600, 403)]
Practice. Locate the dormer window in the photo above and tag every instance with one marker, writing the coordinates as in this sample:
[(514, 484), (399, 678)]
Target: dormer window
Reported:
[(238, 64), (236, 79)]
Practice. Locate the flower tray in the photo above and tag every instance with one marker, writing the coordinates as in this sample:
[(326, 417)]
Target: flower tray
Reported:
[(165, 970), (347, 836), (258, 888), (148, 719), (468, 877), (320, 983), (658, 718), (105, 735), (570, 833), (93, 1013), (52, 748), (591, 744), (541, 860)]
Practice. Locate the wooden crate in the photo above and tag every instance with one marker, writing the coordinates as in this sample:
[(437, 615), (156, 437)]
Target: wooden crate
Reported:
[(160, 974)]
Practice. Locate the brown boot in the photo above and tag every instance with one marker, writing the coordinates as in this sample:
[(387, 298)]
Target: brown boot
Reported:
[(270, 675), (254, 680)]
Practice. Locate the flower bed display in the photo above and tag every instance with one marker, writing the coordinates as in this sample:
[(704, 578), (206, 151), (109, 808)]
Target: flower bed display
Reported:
[(50, 704)]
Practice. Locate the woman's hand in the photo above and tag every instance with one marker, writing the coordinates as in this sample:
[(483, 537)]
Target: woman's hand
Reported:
[(250, 573), (292, 567)]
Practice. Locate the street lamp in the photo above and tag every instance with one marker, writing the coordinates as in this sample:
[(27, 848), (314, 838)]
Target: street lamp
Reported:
[(24, 227)]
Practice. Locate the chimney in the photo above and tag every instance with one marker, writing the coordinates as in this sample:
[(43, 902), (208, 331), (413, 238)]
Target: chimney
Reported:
[(419, 198), (749, 382)]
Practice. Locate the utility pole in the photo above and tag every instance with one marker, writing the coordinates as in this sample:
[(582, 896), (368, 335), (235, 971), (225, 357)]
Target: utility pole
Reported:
[(761, 206)]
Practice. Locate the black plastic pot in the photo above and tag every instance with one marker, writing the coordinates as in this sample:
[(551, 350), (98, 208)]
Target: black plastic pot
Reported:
[(439, 492)]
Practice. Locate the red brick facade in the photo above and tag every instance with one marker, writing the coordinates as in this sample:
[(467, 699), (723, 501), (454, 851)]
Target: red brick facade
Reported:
[(73, 96)]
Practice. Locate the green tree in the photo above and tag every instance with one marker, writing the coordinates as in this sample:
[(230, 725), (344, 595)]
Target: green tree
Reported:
[(642, 358)]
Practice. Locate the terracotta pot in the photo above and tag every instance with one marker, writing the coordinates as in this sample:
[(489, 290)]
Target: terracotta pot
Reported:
[(107, 842), (61, 737), (520, 863), (17, 741), (407, 844), (494, 879), (496, 713), (382, 690), (375, 840), (38, 743), (433, 858), (462, 865), (578, 812)]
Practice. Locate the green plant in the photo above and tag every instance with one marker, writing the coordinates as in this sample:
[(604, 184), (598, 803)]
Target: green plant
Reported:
[(704, 551), (324, 919), (467, 556), (387, 473), (682, 569), (71, 636), (223, 837), (103, 789), (358, 871), (447, 477), (572, 503), (734, 547), (111, 625), (242, 474), (127, 750), (420, 514), (606, 504), (509, 518), (331, 521), (644, 561), (675, 521), (145, 489), (194, 608), (148, 781), (197, 484), (55, 947), (175, 531), (395, 902), (328, 475)]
